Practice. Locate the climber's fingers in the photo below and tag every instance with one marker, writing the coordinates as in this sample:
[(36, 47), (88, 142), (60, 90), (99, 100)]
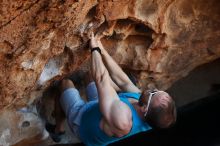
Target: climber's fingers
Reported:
[(93, 41)]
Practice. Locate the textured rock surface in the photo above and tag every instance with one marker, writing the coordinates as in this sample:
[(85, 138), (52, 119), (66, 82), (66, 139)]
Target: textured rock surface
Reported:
[(20, 125), (158, 40)]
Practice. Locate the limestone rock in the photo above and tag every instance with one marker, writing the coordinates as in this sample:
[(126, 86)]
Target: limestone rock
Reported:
[(21, 125), (159, 41)]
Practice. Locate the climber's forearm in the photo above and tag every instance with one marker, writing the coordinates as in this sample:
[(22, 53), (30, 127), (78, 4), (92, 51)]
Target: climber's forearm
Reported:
[(98, 68), (107, 95), (110, 67), (115, 71)]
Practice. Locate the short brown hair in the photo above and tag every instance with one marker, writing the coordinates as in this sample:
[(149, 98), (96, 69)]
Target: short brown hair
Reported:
[(163, 115)]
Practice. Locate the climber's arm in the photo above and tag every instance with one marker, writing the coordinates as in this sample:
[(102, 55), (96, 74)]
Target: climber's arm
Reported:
[(115, 86), (117, 119), (116, 73)]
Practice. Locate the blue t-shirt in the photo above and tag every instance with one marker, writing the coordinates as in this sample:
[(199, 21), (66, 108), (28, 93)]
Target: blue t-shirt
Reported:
[(92, 135)]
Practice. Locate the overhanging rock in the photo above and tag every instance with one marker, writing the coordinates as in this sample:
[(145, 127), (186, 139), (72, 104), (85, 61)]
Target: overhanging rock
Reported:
[(159, 41)]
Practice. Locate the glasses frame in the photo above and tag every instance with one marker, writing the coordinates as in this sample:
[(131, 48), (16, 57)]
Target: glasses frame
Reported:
[(152, 93)]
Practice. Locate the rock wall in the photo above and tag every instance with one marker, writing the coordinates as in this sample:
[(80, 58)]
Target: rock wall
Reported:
[(159, 41)]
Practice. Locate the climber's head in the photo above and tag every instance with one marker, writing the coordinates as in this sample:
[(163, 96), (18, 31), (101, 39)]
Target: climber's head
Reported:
[(158, 108)]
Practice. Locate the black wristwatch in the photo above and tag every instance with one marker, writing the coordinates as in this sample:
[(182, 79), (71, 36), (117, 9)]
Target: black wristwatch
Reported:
[(96, 49)]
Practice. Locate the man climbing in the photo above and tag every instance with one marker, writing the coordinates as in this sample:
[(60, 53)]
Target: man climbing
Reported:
[(116, 108)]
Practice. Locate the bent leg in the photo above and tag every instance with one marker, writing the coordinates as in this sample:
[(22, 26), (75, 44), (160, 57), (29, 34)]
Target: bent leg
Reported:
[(70, 101), (69, 104), (59, 113)]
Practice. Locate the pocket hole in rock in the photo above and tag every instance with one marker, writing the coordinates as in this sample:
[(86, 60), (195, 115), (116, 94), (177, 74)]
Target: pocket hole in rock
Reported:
[(25, 124)]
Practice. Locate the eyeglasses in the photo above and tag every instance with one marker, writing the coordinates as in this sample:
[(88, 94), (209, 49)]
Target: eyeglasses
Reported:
[(152, 93)]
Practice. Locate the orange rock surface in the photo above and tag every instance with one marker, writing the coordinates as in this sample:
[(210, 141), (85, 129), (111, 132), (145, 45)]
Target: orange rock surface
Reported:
[(160, 41)]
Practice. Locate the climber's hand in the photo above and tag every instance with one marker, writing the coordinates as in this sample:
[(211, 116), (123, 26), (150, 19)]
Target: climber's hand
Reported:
[(93, 41)]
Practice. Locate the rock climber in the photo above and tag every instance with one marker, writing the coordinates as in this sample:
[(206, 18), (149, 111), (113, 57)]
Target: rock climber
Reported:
[(115, 109)]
